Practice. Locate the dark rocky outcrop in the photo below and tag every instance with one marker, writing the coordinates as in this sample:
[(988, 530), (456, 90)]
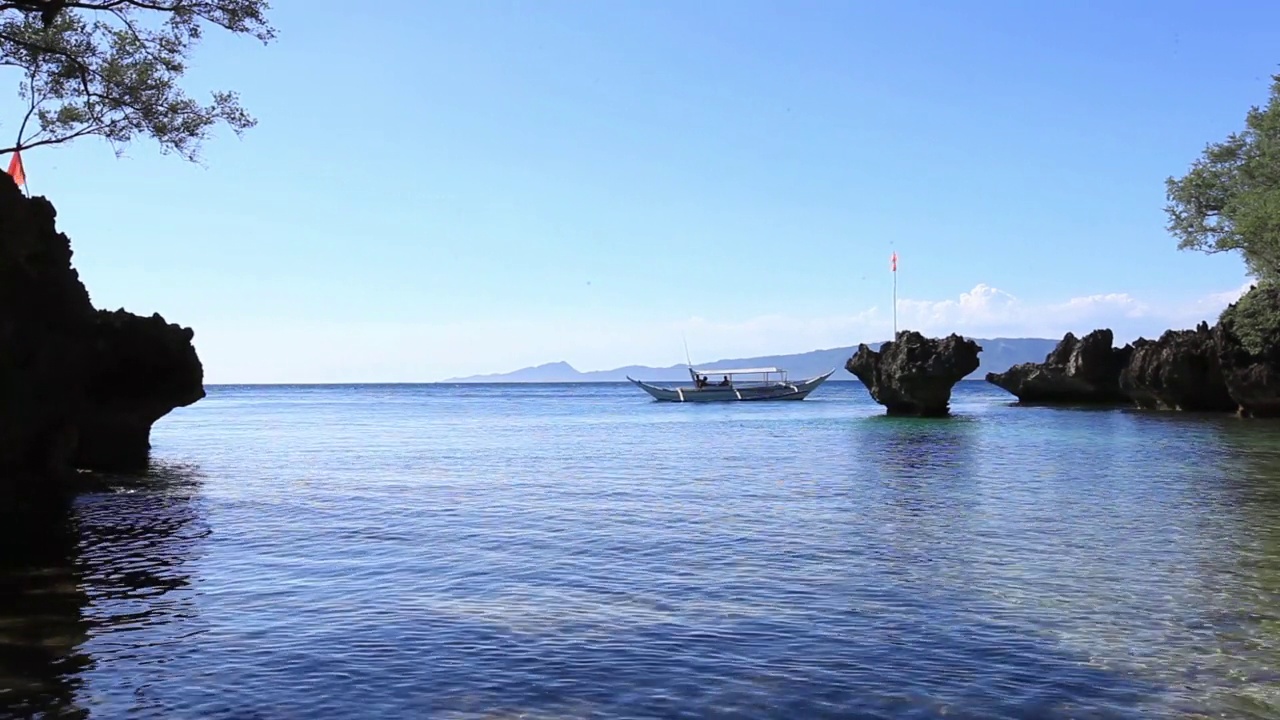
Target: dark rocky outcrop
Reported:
[(1247, 338), (1078, 371), (914, 375), (1231, 366), (143, 368), (79, 388), (1180, 371)]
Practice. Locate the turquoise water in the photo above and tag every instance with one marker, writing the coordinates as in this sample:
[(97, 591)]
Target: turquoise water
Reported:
[(581, 551)]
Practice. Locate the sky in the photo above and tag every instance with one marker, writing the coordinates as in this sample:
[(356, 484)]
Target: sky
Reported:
[(438, 189)]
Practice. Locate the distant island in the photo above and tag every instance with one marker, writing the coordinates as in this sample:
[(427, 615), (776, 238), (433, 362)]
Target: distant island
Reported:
[(998, 355)]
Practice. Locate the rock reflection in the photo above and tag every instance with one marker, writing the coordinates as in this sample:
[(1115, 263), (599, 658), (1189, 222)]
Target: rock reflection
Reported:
[(75, 577), (919, 503), (918, 461), (914, 444), (41, 620)]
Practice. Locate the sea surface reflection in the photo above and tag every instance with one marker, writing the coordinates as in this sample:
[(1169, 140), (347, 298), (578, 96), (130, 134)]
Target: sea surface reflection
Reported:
[(581, 552), (100, 581)]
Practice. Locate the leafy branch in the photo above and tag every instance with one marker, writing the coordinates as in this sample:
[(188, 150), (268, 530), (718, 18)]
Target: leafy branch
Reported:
[(111, 68), (1229, 201)]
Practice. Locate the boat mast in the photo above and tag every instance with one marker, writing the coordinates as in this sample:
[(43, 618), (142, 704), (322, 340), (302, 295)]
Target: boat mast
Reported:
[(688, 361)]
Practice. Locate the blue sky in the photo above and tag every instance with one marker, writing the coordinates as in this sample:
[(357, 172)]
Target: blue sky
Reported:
[(440, 189)]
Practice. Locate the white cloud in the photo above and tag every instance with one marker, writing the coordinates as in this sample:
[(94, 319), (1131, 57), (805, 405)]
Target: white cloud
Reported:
[(987, 311), (1215, 302), (402, 352)]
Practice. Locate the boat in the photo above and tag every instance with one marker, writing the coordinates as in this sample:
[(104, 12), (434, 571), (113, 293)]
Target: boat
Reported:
[(764, 383)]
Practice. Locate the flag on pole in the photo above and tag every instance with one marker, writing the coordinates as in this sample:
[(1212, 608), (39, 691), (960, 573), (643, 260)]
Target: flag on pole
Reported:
[(893, 265), (16, 170)]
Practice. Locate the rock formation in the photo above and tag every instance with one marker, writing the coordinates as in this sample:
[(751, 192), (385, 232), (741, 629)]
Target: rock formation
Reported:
[(1231, 366), (1247, 338), (1084, 371), (1180, 371), (912, 374), (79, 388), (144, 368)]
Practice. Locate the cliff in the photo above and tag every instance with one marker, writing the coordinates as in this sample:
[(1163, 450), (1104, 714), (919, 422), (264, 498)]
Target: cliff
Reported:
[(79, 388)]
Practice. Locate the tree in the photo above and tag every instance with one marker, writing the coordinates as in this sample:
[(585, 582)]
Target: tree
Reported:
[(1230, 198), (110, 68)]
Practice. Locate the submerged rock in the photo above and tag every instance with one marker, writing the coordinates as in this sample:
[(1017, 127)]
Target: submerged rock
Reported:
[(1180, 371), (1247, 338), (914, 375), (1084, 371), (79, 388)]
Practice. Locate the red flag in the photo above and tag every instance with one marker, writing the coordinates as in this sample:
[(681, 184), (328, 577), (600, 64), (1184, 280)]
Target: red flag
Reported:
[(16, 169), (893, 261)]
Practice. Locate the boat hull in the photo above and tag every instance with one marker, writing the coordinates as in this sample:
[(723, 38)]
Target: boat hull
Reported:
[(778, 391)]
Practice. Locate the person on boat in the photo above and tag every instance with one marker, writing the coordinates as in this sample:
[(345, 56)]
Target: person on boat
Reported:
[(725, 381), (701, 382)]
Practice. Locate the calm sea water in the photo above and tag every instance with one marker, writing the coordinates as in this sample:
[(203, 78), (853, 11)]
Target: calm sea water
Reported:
[(581, 551)]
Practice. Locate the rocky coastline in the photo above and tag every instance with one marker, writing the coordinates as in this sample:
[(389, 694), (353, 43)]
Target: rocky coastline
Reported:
[(1078, 370), (1232, 366), (80, 388)]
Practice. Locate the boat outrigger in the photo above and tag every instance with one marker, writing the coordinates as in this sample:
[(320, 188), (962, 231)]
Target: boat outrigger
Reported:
[(772, 384)]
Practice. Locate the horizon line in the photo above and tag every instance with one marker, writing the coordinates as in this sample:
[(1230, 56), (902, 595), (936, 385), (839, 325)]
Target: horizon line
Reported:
[(492, 382)]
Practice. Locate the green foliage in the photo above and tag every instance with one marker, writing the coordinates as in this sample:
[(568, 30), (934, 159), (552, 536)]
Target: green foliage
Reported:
[(110, 68), (1255, 318), (1230, 199)]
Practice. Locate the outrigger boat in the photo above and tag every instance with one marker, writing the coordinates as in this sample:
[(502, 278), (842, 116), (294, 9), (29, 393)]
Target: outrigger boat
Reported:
[(772, 384)]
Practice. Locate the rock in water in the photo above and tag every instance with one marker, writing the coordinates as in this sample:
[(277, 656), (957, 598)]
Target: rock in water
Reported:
[(1180, 371), (1084, 371), (142, 368), (1247, 337), (914, 375), (79, 388)]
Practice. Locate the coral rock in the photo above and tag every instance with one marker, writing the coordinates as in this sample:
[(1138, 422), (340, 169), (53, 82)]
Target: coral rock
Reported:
[(1084, 371), (1180, 371), (914, 375)]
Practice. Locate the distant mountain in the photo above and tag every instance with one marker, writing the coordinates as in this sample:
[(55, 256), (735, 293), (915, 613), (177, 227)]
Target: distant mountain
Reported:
[(998, 355)]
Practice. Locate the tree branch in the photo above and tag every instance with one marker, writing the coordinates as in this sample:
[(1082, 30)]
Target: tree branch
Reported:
[(54, 141), (31, 107), (204, 9), (111, 74)]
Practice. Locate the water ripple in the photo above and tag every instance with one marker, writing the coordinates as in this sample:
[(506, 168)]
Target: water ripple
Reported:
[(539, 552)]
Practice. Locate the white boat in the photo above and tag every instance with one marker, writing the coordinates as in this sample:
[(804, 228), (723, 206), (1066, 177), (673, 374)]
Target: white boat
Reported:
[(724, 385)]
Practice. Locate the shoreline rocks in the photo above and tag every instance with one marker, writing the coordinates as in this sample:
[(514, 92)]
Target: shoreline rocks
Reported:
[(1247, 338), (1083, 371), (142, 369), (1179, 371), (1231, 366), (913, 375), (80, 388)]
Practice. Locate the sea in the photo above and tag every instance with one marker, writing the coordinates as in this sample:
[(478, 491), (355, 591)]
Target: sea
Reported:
[(580, 551)]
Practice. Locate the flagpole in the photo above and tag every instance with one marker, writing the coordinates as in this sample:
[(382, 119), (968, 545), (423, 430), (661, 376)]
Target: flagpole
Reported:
[(894, 267)]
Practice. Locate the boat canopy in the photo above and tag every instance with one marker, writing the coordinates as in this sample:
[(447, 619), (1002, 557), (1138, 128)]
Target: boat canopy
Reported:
[(747, 371)]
